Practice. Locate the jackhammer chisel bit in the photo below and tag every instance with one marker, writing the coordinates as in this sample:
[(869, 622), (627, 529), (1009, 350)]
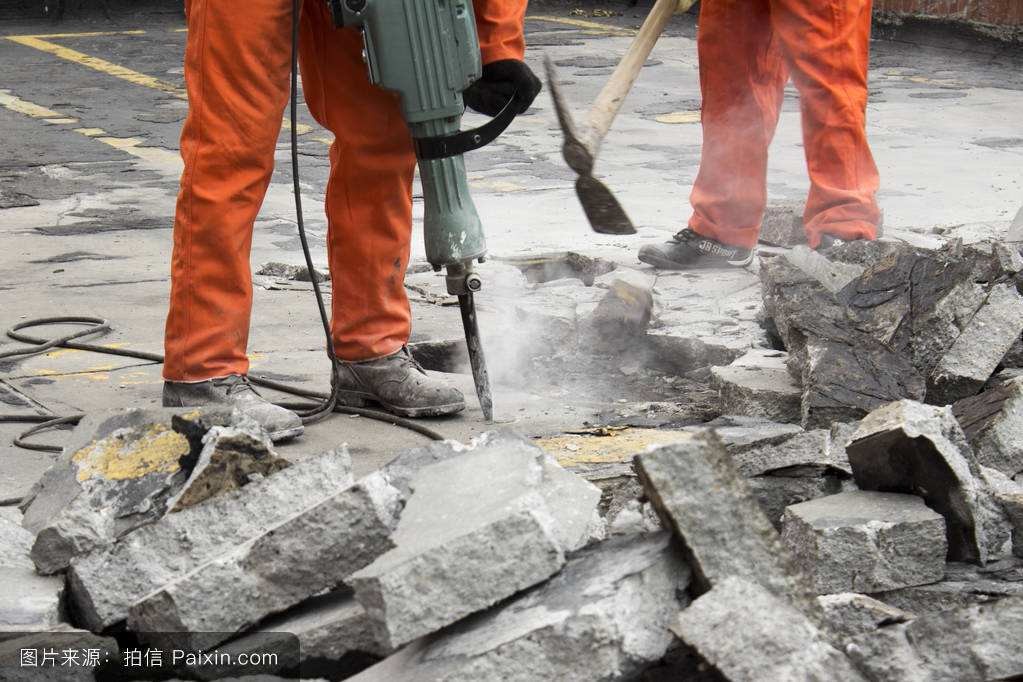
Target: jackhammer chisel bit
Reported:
[(476, 359)]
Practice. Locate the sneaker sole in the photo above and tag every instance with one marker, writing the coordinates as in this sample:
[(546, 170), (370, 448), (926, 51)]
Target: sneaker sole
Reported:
[(665, 264), (357, 399)]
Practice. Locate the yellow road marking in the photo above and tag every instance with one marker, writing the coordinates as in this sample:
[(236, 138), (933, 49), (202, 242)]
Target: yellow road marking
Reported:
[(677, 117), (91, 132), (61, 120), (589, 26), (87, 34), (98, 64), (22, 106)]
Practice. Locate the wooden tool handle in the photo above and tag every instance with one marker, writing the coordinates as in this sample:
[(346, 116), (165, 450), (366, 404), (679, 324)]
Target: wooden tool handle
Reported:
[(610, 99)]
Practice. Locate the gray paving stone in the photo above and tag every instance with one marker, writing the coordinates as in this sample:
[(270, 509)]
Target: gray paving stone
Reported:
[(973, 644), (698, 493), (106, 583), (758, 384), (963, 585), (750, 634), (993, 423), (28, 601), (604, 617), (515, 514), (313, 550), (864, 541), (848, 614), (978, 350), (921, 450)]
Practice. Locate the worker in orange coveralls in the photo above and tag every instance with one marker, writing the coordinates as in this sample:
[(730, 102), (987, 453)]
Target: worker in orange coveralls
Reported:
[(748, 49), (237, 71)]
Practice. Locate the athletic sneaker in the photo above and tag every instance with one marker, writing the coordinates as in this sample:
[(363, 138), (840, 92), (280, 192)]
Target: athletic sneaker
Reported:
[(688, 250)]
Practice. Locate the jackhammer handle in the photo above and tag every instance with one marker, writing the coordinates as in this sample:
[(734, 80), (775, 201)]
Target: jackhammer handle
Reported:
[(610, 99)]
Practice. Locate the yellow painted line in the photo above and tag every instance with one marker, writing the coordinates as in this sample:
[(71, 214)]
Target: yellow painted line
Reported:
[(677, 117), (91, 132), (86, 34), (133, 145), (61, 120), (22, 106), (98, 64), (589, 26)]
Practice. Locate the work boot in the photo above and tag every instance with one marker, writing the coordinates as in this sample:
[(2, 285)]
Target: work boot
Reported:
[(235, 391), (688, 250), (398, 384)]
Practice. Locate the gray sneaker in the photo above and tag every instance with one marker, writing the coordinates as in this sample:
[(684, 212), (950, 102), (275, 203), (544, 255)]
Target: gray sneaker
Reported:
[(398, 384), (235, 391)]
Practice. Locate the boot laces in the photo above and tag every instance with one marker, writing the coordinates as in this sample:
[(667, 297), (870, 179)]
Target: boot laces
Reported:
[(234, 384)]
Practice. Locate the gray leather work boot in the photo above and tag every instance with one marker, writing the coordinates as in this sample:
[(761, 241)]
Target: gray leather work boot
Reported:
[(235, 391), (398, 384)]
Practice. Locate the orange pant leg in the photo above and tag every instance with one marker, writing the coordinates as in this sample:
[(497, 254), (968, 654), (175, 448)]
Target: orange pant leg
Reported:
[(237, 73), (826, 43), (369, 193), (742, 78)]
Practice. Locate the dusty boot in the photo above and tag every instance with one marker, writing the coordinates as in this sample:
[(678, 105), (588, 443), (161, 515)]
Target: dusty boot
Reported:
[(235, 391), (399, 385)]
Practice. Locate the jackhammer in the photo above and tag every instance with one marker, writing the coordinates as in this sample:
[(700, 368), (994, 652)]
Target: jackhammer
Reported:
[(428, 52)]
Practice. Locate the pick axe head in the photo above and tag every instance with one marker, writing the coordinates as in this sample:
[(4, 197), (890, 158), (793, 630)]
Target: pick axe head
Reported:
[(605, 214)]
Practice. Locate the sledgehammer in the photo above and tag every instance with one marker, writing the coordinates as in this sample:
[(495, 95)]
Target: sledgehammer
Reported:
[(581, 145)]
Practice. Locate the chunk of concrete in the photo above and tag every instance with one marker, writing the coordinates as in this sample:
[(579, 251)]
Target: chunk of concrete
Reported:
[(604, 617), (782, 225), (921, 450), (863, 541), (978, 350), (231, 457), (682, 349), (515, 514), (115, 475), (106, 583), (848, 614), (698, 493), (327, 630), (751, 634), (759, 385), (973, 644), (622, 315), (993, 423), (963, 585), (780, 489), (312, 551), (28, 602)]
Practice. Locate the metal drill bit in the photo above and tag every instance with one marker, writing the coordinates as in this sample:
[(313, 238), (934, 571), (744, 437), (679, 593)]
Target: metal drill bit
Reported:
[(479, 363)]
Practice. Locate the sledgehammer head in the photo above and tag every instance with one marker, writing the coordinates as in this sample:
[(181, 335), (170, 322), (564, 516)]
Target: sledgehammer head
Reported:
[(605, 214)]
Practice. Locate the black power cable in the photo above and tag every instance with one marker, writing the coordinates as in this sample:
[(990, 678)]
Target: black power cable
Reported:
[(324, 405)]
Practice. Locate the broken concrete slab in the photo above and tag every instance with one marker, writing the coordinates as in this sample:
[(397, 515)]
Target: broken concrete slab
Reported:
[(751, 634), (604, 617), (979, 349), (106, 583), (782, 224), (700, 495), (973, 644), (758, 384), (312, 551), (739, 433), (682, 349), (848, 614), (516, 514), (331, 629), (993, 423), (863, 541), (297, 273), (115, 475), (28, 602), (815, 448), (780, 489), (963, 585), (921, 450), (231, 457), (622, 314)]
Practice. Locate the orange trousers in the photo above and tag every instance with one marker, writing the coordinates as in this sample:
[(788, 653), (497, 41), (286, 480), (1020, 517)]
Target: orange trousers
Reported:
[(237, 72), (747, 50)]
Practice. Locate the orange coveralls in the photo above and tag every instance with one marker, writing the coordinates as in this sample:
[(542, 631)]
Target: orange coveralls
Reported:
[(747, 50), (237, 72)]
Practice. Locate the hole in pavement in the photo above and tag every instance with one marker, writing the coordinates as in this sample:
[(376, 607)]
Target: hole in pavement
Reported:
[(565, 265)]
